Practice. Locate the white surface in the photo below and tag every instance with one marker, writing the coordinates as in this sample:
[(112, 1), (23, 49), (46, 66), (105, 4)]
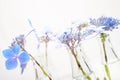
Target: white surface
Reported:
[(57, 14)]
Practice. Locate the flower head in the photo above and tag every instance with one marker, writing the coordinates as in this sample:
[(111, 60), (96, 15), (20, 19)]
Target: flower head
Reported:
[(66, 37), (13, 55), (47, 34), (107, 23), (71, 37), (74, 35)]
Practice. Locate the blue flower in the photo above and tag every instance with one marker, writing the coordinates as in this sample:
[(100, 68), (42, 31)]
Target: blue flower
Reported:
[(107, 23), (66, 37), (13, 55), (71, 37)]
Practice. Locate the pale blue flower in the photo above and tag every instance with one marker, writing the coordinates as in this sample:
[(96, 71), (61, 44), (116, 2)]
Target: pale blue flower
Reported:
[(71, 37), (65, 37), (107, 23), (13, 55)]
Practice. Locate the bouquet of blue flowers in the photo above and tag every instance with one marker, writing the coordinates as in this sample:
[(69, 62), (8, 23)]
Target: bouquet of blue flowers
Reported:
[(72, 38)]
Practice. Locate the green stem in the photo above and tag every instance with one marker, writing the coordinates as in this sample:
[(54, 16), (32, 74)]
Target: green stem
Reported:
[(107, 71), (103, 39), (105, 54), (97, 78), (78, 64), (44, 72)]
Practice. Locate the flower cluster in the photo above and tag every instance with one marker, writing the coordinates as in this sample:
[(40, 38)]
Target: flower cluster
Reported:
[(107, 23), (16, 54), (74, 35)]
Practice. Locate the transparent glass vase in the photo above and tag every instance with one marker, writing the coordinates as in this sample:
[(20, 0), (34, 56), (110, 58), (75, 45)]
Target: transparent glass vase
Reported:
[(76, 73), (109, 55), (41, 72), (108, 52), (80, 68)]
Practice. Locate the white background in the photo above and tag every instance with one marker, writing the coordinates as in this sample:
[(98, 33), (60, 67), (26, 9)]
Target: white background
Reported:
[(57, 14)]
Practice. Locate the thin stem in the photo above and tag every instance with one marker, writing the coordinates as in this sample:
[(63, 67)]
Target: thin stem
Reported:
[(44, 72), (107, 71), (36, 73), (29, 33), (87, 65), (78, 63), (106, 64), (36, 35), (80, 67), (103, 39), (105, 54), (46, 54), (85, 60)]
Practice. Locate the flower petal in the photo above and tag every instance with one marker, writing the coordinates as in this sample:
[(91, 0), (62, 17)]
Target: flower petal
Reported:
[(16, 49), (23, 66), (8, 53), (24, 58), (11, 64)]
